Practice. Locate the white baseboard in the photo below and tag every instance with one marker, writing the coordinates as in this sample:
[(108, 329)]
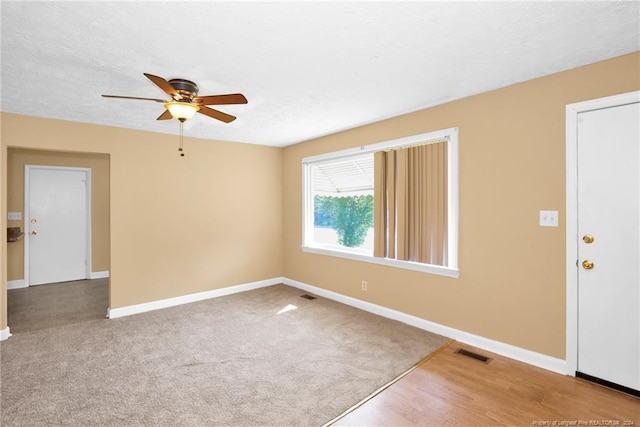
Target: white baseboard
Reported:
[(114, 313), (16, 284), (4, 333), (99, 275), (517, 353), (527, 356)]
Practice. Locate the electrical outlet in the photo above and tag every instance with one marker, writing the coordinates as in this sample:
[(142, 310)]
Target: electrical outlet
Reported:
[(14, 216), (364, 285)]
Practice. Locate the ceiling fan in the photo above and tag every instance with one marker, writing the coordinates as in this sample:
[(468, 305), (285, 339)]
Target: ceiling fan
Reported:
[(185, 101)]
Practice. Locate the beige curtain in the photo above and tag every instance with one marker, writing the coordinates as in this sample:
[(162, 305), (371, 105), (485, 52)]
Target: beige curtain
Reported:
[(410, 203)]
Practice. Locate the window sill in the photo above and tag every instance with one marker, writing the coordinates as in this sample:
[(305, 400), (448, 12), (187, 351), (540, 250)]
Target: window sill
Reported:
[(407, 265)]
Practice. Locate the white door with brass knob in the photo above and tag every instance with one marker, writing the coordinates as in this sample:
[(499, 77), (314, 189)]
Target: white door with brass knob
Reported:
[(57, 224), (608, 246)]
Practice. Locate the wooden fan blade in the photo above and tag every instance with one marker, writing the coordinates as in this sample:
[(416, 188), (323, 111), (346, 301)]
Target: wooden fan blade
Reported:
[(164, 85), (165, 116), (224, 117), (135, 97), (232, 98)]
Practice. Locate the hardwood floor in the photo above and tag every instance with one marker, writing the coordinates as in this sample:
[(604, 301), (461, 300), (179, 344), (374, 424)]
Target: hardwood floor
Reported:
[(450, 389)]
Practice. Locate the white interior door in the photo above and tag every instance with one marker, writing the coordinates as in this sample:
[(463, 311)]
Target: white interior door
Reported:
[(608, 162), (57, 224)]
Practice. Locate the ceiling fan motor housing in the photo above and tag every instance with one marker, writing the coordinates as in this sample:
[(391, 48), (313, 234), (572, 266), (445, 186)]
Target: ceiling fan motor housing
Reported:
[(185, 88)]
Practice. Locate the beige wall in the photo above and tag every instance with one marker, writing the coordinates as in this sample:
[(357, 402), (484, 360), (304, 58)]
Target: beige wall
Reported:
[(178, 225), (512, 164), (215, 218), (99, 165)]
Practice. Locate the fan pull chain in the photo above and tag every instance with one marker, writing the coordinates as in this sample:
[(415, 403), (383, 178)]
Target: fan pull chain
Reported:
[(181, 139)]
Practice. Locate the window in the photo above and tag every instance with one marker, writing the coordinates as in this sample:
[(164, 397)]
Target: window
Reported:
[(342, 204), (392, 203)]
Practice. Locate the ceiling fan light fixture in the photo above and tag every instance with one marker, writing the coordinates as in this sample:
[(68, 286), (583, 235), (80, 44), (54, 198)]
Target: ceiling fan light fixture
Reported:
[(181, 110)]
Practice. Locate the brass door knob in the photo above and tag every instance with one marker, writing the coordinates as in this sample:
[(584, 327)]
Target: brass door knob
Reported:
[(588, 238), (34, 232), (587, 265)]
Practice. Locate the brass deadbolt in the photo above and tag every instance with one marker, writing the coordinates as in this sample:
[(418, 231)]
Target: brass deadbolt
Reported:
[(588, 238), (587, 265)]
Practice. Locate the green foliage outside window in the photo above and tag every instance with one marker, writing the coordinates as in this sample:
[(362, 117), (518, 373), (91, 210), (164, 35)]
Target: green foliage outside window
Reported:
[(351, 217)]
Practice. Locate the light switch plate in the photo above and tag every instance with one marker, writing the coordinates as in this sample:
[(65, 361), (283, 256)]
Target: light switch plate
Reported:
[(14, 216), (548, 218)]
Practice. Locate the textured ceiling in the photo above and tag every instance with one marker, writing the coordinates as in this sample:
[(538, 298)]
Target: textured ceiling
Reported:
[(307, 68)]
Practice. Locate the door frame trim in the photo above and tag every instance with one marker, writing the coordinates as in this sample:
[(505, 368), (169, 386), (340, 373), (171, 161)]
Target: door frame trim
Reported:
[(27, 170), (572, 112)]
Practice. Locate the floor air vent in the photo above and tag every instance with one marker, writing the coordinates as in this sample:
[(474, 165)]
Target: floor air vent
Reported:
[(305, 296), (473, 355)]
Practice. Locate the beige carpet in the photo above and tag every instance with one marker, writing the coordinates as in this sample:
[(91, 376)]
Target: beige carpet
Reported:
[(239, 360)]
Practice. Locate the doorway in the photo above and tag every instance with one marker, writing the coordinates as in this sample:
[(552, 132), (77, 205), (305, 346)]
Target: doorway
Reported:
[(62, 299), (603, 241)]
